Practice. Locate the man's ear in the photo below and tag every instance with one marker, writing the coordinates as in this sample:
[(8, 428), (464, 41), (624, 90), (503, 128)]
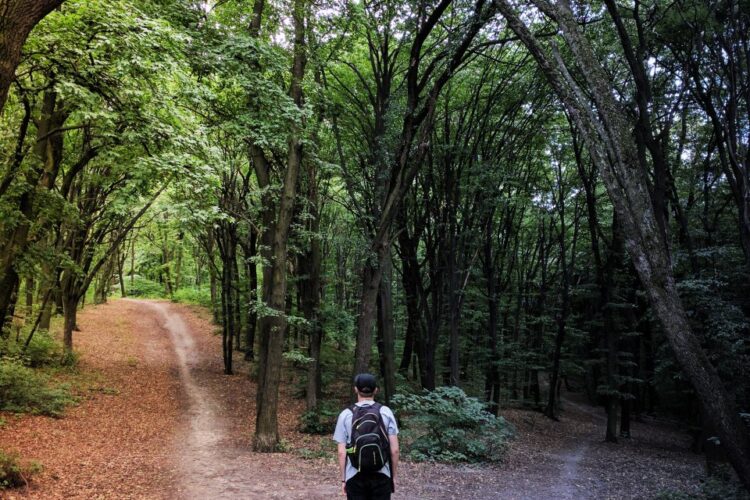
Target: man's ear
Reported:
[(377, 390)]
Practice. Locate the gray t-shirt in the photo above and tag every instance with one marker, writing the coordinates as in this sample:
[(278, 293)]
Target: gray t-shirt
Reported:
[(344, 431)]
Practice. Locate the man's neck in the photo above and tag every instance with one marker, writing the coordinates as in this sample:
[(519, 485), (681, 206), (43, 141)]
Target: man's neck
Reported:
[(362, 399)]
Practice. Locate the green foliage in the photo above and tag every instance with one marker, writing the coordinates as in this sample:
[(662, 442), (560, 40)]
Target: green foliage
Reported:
[(14, 472), (143, 287), (193, 295), (24, 390), (298, 358), (448, 426), (43, 350), (338, 324), (321, 419)]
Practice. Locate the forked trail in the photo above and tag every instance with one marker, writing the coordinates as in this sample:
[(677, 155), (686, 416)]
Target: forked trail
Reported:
[(168, 424)]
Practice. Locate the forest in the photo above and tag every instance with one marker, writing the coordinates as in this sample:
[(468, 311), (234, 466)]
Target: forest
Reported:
[(505, 209)]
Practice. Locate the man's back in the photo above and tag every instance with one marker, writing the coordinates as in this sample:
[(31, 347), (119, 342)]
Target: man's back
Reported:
[(358, 484)]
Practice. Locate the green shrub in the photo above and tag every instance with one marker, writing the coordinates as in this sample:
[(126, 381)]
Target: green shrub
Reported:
[(446, 425), (143, 287), (192, 295), (24, 390), (13, 472), (320, 420), (43, 350)]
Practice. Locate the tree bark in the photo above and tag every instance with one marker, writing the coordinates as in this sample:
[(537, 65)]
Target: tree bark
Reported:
[(310, 286), (70, 305), (251, 318), (120, 276), (410, 280), (386, 332)]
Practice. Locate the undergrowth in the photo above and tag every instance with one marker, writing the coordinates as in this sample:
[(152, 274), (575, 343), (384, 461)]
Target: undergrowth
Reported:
[(25, 386), (446, 425), (14, 472), (321, 419), (24, 390), (43, 350)]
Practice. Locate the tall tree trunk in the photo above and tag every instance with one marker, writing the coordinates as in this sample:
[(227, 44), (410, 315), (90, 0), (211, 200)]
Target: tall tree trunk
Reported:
[(70, 299), (10, 252), (30, 285), (120, 277), (227, 243), (454, 304), (251, 319), (410, 280), (178, 261), (50, 288), (49, 149), (310, 287), (386, 332), (132, 264), (492, 373), (310, 269), (367, 314), (210, 244), (562, 318), (551, 410), (612, 329), (427, 344), (236, 296), (273, 330)]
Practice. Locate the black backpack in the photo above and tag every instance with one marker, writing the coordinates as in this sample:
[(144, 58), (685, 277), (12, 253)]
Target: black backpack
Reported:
[(369, 449)]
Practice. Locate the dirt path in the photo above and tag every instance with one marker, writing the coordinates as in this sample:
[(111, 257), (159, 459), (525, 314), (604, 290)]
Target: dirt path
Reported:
[(200, 456), (176, 427), (211, 465)]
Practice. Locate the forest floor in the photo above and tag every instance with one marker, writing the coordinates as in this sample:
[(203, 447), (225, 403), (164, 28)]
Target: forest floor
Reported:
[(158, 419)]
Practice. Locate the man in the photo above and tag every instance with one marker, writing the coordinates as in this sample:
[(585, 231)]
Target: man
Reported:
[(360, 485)]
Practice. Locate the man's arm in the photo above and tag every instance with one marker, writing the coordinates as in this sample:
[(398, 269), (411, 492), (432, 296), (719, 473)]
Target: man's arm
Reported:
[(393, 440), (342, 466)]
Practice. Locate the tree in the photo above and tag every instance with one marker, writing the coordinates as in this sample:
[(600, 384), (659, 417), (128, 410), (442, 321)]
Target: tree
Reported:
[(277, 215)]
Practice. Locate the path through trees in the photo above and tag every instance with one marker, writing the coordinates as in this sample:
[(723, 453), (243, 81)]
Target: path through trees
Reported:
[(178, 432)]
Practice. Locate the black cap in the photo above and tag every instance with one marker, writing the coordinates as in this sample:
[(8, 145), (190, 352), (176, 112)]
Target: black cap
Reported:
[(365, 383)]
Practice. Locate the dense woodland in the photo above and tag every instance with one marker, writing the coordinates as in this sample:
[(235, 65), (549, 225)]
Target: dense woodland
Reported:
[(517, 198)]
